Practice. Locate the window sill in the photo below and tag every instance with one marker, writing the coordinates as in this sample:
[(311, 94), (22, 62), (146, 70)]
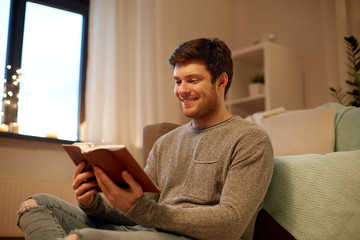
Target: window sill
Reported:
[(33, 138)]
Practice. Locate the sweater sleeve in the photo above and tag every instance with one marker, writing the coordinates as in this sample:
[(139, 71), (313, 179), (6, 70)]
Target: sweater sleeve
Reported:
[(102, 209), (247, 180)]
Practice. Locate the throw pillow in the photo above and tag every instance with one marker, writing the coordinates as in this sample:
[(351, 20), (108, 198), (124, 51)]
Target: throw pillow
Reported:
[(301, 131)]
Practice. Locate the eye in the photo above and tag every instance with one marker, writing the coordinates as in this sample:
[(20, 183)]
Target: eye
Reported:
[(177, 82), (192, 81)]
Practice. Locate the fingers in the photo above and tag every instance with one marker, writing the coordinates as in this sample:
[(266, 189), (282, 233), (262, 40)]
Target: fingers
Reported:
[(84, 189), (105, 183), (82, 178), (87, 198), (121, 198), (85, 193), (131, 181), (84, 184), (79, 168)]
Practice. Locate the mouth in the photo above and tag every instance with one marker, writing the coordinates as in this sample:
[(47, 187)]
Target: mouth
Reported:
[(188, 100)]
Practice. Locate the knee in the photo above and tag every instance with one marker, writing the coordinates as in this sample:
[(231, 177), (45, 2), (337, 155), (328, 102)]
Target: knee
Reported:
[(40, 199), (27, 204)]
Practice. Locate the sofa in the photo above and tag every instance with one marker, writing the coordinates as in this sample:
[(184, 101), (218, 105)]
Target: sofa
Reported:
[(315, 188)]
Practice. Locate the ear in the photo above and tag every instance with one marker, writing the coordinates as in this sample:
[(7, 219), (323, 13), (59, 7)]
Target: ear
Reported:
[(223, 80)]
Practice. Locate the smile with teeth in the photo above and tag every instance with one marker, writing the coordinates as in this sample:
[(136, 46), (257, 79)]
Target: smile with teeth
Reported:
[(188, 100)]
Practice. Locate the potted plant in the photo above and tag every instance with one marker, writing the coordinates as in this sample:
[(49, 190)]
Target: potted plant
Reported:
[(353, 52), (256, 86)]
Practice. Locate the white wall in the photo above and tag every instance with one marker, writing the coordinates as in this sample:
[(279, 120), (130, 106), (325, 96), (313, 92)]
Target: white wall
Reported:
[(182, 20), (309, 27), (297, 25), (34, 159)]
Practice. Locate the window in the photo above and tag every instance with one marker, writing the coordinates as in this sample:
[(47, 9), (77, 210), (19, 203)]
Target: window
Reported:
[(4, 23), (43, 92)]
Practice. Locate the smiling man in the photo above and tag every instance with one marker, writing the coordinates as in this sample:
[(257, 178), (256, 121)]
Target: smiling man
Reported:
[(200, 98), (213, 172)]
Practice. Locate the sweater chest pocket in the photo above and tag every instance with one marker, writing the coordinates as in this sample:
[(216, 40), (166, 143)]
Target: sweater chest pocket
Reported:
[(202, 181)]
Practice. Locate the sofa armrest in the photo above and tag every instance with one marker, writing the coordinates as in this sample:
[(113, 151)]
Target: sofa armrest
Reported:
[(347, 127), (316, 196)]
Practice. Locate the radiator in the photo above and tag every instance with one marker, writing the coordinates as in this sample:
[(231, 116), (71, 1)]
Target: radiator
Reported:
[(14, 190)]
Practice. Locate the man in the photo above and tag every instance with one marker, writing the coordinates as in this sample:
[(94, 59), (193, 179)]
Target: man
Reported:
[(213, 172)]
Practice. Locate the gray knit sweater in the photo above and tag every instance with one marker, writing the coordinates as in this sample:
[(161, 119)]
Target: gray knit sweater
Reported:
[(213, 181)]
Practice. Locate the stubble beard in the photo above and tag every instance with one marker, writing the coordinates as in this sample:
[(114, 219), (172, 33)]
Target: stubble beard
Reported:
[(203, 110)]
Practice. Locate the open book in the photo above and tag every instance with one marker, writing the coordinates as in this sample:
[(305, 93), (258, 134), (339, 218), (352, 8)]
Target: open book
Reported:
[(113, 159)]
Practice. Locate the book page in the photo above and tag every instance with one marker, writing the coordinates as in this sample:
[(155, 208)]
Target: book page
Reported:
[(110, 147), (88, 146), (84, 146)]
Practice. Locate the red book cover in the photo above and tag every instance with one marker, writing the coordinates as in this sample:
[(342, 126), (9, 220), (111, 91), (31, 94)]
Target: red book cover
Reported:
[(113, 159)]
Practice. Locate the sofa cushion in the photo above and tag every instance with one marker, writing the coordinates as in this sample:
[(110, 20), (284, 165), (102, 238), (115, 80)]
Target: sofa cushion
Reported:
[(347, 127), (316, 196), (301, 131)]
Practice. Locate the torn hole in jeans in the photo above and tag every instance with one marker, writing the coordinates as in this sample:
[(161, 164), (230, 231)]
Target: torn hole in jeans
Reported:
[(28, 203), (26, 206)]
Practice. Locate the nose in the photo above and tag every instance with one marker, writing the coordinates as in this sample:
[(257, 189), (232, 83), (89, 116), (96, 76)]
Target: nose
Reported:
[(183, 89)]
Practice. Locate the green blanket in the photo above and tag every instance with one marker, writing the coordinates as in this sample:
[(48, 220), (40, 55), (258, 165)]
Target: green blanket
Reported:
[(347, 127), (317, 196)]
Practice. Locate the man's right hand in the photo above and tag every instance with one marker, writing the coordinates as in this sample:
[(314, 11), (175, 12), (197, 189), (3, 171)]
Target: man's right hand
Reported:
[(85, 189)]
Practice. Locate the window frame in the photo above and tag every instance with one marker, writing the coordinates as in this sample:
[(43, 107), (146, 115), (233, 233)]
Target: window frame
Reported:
[(14, 51)]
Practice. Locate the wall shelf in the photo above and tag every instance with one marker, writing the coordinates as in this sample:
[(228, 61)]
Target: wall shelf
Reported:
[(282, 69)]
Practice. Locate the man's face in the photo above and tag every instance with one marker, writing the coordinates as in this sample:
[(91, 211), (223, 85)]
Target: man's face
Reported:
[(197, 96)]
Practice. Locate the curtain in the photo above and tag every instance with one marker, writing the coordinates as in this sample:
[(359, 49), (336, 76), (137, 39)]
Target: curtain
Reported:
[(340, 19), (124, 83)]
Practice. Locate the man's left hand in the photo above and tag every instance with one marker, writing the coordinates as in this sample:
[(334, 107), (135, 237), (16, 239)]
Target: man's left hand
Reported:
[(121, 198)]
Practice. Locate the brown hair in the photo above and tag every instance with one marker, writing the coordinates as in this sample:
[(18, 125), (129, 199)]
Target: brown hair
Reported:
[(213, 52)]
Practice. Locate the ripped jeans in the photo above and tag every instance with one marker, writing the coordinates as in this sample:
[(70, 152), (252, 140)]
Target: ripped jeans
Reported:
[(55, 218)]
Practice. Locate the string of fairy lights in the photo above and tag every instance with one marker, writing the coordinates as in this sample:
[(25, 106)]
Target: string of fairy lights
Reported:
[(10, 99)]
